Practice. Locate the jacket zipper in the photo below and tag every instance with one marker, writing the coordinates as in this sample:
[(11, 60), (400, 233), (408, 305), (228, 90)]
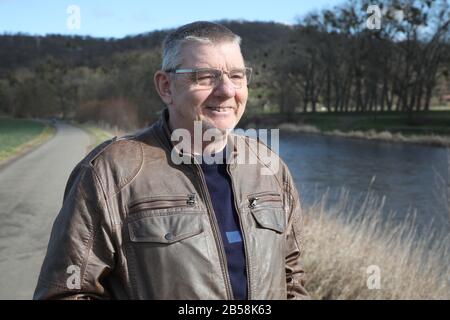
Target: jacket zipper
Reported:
[(217, 236), (214, 224), (247, 267), (162, 203), (254, 199)]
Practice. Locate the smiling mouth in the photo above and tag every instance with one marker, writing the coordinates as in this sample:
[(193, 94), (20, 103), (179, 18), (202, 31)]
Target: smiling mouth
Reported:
[(220, 109)]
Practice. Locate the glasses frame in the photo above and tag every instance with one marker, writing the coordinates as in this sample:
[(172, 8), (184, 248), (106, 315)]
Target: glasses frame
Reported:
[(247, 70)]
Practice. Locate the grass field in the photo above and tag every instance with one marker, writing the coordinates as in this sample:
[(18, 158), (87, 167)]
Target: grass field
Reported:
[(17, 135), (425, 123)]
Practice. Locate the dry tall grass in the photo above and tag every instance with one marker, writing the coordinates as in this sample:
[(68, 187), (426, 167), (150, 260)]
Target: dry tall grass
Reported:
[(341, 243)]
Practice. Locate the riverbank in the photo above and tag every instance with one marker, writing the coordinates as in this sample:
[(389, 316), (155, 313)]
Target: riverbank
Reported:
[(19, 136), (429, 140), (427, 128)]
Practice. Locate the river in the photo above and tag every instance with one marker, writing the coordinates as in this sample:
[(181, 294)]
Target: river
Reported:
[(412, 178)]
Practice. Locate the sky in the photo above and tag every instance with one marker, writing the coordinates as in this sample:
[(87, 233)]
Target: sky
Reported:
[(116, 19)]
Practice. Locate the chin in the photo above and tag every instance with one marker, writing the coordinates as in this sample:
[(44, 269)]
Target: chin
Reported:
[(223, 125)]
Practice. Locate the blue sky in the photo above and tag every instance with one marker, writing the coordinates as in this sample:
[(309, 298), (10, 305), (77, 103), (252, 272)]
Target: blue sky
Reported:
[(113, 18)]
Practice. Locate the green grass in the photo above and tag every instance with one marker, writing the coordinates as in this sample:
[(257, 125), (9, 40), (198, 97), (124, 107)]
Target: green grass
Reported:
[(17, 135), (424, 123)]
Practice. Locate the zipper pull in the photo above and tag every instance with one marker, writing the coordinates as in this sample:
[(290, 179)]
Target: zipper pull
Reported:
[(191, 199), (253, 202)]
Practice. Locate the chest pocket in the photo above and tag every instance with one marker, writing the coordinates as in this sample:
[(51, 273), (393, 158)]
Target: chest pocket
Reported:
[(267, 211), (167, 248), (267, 243), (165, 229), (164, 219)]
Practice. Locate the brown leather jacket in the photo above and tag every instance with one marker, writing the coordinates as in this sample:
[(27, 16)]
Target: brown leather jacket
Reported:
[(134, 225)]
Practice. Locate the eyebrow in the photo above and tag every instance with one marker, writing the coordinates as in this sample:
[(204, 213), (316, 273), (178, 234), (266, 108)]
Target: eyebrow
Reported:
[(209, 67), (204, 65)]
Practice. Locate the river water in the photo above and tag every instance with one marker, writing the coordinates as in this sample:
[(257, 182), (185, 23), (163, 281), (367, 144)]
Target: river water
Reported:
[(412, 178)]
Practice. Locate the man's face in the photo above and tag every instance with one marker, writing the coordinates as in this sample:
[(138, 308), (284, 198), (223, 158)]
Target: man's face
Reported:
[(191, 103)]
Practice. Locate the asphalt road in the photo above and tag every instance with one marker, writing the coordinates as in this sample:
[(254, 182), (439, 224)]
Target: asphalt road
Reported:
[(31, 191)]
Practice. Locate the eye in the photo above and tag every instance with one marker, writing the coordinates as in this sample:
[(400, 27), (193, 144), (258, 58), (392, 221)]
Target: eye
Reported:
[(207, 74), (237, 75)]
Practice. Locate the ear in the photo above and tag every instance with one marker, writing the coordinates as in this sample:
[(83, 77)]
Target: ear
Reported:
[(162, 85)]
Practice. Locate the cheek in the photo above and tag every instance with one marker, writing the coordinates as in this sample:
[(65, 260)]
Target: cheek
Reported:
[(197, 98), (190, 103), (241, 98)]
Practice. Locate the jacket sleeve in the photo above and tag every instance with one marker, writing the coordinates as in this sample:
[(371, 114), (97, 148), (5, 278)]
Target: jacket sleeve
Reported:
[(295, 276), (80, 251)]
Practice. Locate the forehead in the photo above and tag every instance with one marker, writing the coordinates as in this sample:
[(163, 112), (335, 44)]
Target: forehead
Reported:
[(221, 55)]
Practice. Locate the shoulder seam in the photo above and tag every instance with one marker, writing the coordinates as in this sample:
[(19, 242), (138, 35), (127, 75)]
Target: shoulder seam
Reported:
[(128, 179), (135, 172)]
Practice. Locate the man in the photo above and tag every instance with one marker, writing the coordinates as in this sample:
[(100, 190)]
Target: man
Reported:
[(144, 217)]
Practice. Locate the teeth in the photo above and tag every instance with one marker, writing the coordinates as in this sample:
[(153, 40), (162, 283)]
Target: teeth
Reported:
[(219, 109)]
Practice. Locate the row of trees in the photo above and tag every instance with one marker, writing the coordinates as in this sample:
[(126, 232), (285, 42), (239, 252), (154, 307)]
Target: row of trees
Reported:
[(335, 62), (330, 61), (119, 92)]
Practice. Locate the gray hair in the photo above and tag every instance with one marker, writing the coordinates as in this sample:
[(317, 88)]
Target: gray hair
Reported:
[(200, 32)]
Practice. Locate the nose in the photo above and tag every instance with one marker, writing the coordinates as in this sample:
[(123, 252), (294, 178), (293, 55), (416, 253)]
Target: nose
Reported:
[(225, 88)]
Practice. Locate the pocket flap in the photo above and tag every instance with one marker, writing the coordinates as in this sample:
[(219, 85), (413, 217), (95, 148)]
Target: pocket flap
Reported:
[(270, 218), (165, 229)]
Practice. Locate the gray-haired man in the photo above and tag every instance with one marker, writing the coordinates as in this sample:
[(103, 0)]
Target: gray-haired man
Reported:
[(137, 223)]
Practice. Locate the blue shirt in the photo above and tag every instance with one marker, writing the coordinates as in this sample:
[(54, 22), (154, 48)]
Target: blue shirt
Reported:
[(220, 190)]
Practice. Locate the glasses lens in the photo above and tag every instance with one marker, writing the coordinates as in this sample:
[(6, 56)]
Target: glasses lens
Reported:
[(207, 77), (238, 77)]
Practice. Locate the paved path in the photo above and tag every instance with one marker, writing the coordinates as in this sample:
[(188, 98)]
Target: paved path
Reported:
[(31, 191)]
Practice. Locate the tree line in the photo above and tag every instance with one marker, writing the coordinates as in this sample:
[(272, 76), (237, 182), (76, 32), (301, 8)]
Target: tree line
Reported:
[(329, 61), (333, 60)]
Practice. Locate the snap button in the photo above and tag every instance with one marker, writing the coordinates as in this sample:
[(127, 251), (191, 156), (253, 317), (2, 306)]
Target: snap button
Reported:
[(168, 236)]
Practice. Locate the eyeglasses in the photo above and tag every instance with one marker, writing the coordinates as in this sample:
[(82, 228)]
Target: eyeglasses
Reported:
[(210, 78)]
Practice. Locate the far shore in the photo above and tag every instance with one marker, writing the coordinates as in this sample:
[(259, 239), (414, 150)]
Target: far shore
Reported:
[(395, 137), (430, 128)]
